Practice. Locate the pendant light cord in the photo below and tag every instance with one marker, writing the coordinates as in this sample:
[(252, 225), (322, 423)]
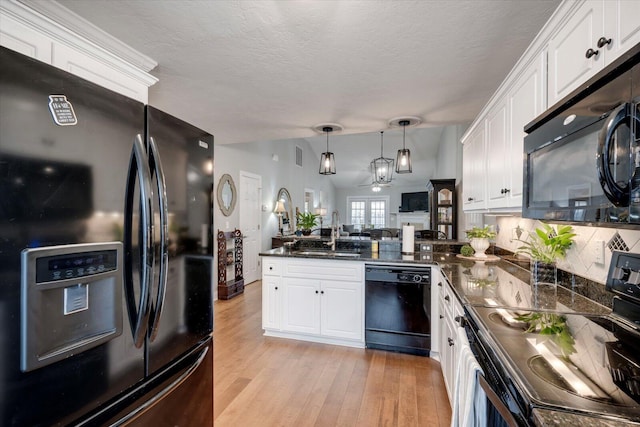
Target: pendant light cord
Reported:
[(404, 124)]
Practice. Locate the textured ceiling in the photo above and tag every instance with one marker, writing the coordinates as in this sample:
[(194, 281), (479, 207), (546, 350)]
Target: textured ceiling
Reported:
[(250, 71)]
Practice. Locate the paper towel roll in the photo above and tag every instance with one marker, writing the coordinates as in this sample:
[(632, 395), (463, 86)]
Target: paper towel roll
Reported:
[(407, 239)]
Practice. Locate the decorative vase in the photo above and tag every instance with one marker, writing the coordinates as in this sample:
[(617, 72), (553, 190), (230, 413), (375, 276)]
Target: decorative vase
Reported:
[(544, 284), (479, 245)]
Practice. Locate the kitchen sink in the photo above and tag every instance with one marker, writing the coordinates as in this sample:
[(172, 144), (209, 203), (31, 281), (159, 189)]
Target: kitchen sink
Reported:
[(329, 254)]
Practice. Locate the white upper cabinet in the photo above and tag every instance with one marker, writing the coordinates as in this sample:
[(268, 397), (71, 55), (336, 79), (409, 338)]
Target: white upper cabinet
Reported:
[(522, 101), (44, 34), (497, 155), (572, 57), (474, 168), (525, 101), (595, 34), (579, 40)]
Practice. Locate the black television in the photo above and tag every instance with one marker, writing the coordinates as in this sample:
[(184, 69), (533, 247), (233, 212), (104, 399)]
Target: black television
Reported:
[(418, 201)]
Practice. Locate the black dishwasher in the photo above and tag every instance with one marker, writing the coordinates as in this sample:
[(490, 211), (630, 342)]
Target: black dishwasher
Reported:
[(397, 308)]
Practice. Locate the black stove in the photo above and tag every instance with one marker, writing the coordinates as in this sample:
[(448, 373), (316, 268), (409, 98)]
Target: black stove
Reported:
[(562, 360)]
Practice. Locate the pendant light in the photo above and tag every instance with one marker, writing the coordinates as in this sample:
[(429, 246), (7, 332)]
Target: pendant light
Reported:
[(327, 159), (382, 167), (403, 160)]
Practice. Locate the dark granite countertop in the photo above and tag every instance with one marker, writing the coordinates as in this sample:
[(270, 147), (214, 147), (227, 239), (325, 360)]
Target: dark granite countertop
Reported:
[(504, 283), (549, 418)]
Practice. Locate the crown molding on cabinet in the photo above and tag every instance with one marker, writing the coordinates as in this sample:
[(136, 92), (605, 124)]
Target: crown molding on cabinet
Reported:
[(68, 28)]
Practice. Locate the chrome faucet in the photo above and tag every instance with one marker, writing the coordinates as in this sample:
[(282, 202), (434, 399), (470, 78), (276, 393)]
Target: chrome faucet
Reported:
[(335, 224)]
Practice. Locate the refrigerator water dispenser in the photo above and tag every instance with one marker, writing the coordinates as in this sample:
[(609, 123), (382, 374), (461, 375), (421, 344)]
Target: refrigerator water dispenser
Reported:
[(71, 300)]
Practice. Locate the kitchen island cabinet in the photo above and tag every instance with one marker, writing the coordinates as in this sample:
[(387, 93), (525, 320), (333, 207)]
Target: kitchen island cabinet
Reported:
[(314, 300), (271, 293)]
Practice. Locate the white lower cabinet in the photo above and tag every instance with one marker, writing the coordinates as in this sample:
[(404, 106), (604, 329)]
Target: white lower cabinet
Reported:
[(449, 308), (301, 305), (341, 310), (314, 300), (271, 301)]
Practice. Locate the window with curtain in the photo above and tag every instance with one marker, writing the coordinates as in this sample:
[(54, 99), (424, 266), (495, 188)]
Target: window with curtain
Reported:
[(363, 212)]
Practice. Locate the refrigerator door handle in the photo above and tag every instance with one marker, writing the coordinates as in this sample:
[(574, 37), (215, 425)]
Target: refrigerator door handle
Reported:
[(156, 167), (137, 412), (138, 172)]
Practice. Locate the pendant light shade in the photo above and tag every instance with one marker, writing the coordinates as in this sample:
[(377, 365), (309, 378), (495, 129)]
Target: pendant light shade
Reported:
[(403, 160), (382, 167), (327, 159)]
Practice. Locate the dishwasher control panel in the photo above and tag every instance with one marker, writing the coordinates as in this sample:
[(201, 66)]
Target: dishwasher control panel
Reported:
[(396, 274)]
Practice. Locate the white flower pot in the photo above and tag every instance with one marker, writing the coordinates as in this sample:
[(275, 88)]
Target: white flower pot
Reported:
[(479, 245)]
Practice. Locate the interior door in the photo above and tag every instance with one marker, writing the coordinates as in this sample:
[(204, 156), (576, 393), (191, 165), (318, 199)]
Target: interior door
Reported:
[(250, 196)]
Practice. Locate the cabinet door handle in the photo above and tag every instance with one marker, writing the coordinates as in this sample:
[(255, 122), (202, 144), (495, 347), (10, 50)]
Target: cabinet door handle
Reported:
[(440, 284), (603, 41), (446, 298), (271, 268), (450, 341), (470, 199), (276, 288), (590, 52), (316, 292), (441, 316), (322, 292)]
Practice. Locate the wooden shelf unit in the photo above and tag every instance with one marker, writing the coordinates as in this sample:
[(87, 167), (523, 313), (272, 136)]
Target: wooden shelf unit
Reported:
[(444, 211), (230, 258)]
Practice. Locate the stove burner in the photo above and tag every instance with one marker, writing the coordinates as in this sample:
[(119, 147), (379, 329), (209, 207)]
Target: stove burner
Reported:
[(541, 367), (499, 319)]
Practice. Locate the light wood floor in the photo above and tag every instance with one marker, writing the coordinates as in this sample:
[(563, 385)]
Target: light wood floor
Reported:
[(262, 381)]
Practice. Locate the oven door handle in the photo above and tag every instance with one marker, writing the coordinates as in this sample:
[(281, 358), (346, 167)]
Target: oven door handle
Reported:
[(617, 194), (496, 402)]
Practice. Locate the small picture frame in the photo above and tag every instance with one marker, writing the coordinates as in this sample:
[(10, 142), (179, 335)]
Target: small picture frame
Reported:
[(230, 259)]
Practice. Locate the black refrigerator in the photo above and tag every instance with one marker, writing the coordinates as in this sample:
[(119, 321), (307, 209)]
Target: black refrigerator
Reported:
[(106, 272)]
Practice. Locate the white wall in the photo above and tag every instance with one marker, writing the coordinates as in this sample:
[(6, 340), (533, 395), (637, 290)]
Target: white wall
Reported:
[(258, 158)]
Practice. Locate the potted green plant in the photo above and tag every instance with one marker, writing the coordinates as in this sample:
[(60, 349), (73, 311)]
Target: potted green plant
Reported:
[(479, 239), (306, 221), (546, 246)]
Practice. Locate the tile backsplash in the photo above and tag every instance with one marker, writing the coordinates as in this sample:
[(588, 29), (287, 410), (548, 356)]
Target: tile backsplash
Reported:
[(582, 258)]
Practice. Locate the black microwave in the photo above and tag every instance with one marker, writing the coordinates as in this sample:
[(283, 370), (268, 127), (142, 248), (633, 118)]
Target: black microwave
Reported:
[(582, 158)]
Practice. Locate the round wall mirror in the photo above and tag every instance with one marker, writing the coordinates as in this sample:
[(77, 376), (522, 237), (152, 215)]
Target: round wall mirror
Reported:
[(288, 221), (226, 194)]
